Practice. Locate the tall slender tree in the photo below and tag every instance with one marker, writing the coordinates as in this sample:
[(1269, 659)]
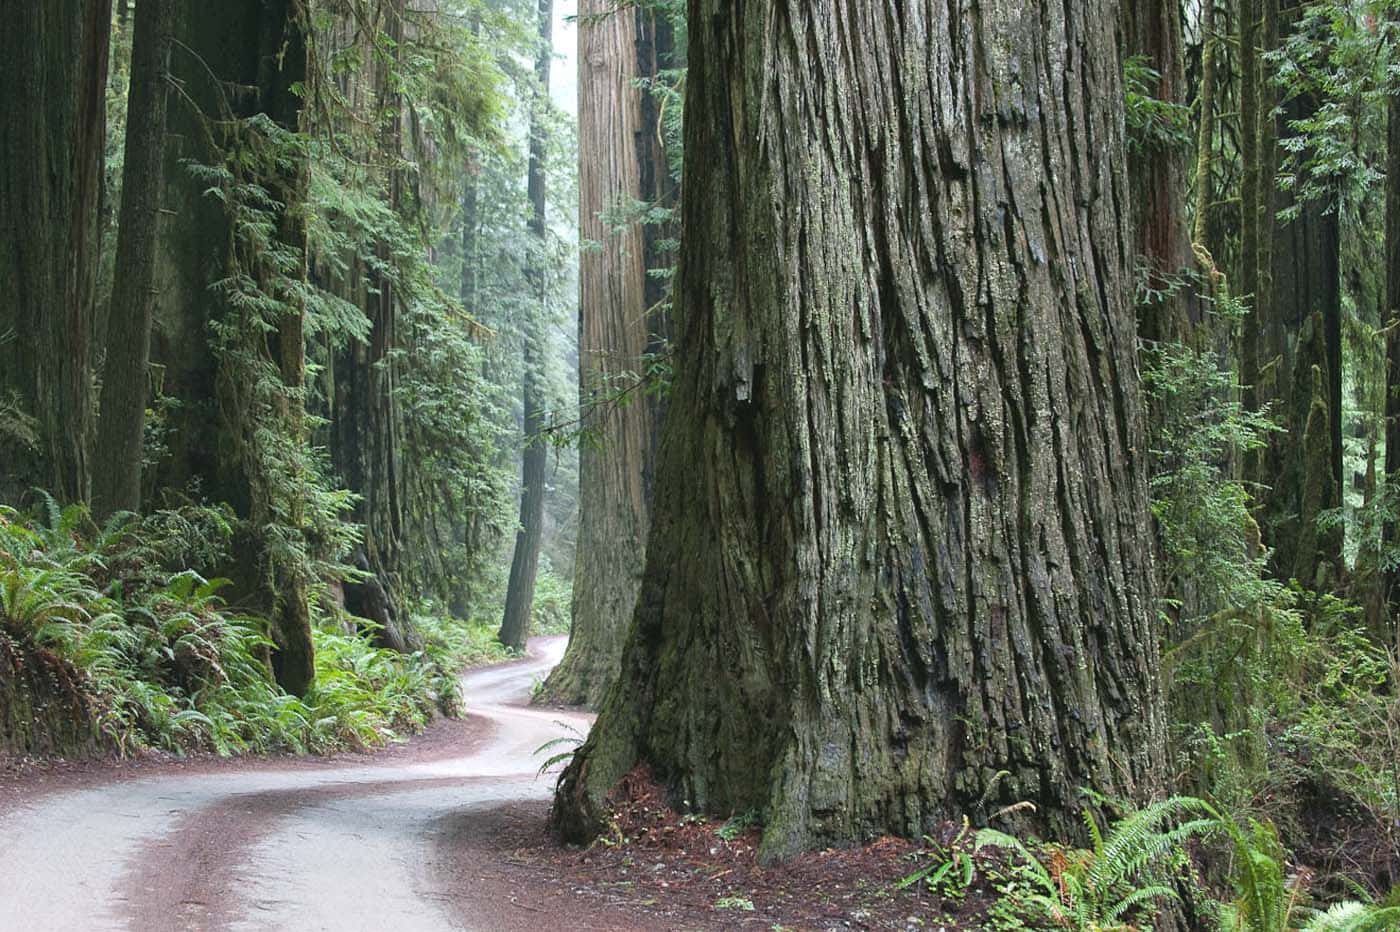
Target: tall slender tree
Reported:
[(53, 66), (1391, 319), (614, 333), (899, 566), (125, 378), (1295, 330), (520, 591)]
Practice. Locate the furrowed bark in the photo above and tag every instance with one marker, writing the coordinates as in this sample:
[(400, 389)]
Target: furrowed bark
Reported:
[(899, 565), (53, 66), (613, 336)]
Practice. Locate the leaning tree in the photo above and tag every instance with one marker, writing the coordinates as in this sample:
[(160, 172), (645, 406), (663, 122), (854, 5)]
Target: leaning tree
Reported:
[(899, 561)]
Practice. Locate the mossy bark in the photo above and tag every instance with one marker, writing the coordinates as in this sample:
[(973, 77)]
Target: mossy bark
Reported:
[(899, 565), (1157, 178), (1249, 206), (241, 406), (1391, 318)]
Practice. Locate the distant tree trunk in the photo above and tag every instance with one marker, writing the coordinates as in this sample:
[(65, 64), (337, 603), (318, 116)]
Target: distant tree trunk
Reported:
[(520, 591), (1266, 150), (1249, 205), (1157, 177), (1391, 319), (1201, 242), (368, 425), (468, 528), (241, 405), (282, 64), (1301, 335), (121, 428), (613, 335), (899, 566), (53, 67)]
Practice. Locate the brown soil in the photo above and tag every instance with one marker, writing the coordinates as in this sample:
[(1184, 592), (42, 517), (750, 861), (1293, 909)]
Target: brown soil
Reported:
[(683, 872)]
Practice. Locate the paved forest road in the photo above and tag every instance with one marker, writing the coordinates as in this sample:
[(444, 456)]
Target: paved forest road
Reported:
[(290, 845)]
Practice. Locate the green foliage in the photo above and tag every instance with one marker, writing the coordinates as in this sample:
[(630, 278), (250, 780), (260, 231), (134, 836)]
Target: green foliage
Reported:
[(1338, 54), (1342, 731), (570, 743), (1353, 916), (950, 871), (166, 663), (1105, 887), (1231, 627), (1152, 123), (1202, 511), (1268, 901), (550, 612), (738, 825), (1265, 901)]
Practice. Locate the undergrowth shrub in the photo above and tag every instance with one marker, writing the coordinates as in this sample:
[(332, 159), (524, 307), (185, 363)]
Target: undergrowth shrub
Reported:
[(168, 665), (550, 612)]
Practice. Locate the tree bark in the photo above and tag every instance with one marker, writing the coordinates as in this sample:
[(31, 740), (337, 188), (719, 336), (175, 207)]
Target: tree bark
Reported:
[(241, 404), (613, 336), (899, 565), (1302, 331), (368, 426), (520, 590), (1249, 207), (1157, 176), (1391, 319), (121, 429), (53, 66)]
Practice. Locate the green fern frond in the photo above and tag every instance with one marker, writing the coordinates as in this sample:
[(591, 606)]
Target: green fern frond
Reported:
[(1354, 916)]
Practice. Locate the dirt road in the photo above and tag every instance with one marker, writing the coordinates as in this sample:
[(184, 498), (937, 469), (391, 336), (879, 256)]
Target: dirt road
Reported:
[(383, 844)]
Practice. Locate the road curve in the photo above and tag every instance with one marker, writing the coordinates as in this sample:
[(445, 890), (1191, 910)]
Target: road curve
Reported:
[(267, 847)]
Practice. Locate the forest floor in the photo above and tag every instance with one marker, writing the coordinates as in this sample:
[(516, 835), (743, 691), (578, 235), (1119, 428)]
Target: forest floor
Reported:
[(446, 831)]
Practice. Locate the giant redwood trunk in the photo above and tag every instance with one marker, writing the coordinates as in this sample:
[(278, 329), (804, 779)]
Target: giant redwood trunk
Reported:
[(367, 424), (613, 335), (898, 567), (525, 560), (53, 67)]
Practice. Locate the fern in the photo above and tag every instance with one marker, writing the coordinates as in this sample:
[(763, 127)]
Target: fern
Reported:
[(1354, 916), (1102, 888)]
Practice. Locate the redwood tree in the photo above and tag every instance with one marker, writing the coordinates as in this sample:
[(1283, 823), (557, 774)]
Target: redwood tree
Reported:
[(53, 68), (614, 333), (125, 375), (230, 323), (520, 590), (899, 562)]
